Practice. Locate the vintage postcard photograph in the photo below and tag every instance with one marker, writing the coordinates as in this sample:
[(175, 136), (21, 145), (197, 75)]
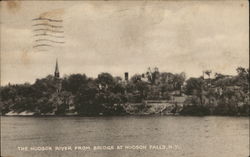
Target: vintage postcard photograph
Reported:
[(124, 78)]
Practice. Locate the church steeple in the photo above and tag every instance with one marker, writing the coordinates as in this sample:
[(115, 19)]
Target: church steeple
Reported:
[(57, 74)]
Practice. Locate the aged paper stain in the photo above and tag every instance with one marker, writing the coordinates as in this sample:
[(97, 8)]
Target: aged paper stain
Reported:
[(57, 13), (13, 5)]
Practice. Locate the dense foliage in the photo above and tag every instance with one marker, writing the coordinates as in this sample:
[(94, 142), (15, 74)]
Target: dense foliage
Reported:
[(106, 95), (222, 95)]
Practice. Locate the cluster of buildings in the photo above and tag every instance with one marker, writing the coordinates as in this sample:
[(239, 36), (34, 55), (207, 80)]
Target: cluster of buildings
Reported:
[(154, 93)]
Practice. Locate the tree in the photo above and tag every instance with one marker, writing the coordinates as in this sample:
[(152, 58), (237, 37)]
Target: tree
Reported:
[(178, 80), (74, 82), (105, 81), (242, 78), (194, 86), (153, 75), (136, 78), (86, 100), (138, 87), (44, 105), (65, 99), (208, 73)]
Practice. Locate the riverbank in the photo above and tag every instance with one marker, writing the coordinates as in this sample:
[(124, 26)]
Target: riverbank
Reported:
[(147, 108), (122, 115)]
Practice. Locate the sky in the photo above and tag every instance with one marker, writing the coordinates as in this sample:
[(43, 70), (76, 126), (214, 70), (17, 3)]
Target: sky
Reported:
[(125, 36)]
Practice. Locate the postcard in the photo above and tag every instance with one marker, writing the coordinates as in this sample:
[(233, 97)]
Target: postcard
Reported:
[(124, 78)]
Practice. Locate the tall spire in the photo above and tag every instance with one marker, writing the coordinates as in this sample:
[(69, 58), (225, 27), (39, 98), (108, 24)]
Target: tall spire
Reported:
[(57, 74)]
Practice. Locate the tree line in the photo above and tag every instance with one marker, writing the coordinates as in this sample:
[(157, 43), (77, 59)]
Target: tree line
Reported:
[(221, 95), (106, 94)]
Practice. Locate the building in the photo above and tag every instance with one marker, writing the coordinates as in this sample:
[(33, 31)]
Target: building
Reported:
[(58, 81), (62, 97), (58, 86)]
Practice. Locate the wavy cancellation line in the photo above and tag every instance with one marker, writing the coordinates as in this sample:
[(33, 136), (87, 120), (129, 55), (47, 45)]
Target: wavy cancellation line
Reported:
[(50, 35), (50, 30), (47, 19), (42, 45), (41, 40), (49, 25)]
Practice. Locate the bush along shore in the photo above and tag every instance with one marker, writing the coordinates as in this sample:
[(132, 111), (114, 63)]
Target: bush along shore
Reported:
[(150, 93)]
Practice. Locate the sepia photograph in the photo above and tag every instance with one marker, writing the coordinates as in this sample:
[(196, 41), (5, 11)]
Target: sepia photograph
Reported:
[(123, 78)]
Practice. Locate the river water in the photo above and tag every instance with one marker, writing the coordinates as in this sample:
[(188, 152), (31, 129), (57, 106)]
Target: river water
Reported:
[(151, 136)]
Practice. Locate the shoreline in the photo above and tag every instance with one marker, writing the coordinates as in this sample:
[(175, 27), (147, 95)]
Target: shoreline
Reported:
[(128, 115)]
